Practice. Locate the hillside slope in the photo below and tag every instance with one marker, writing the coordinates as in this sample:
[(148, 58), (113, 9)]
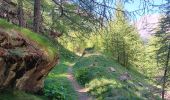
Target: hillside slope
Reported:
[(108, 80)]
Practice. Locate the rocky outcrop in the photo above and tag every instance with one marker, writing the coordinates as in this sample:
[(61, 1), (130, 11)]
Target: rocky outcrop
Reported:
[(23, 64), (125, 76)]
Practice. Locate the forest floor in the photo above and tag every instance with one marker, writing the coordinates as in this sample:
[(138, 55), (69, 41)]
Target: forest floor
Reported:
[(81, 91)]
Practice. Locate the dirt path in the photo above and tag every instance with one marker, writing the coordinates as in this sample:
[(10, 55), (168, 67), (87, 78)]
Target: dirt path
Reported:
[(82, 92)]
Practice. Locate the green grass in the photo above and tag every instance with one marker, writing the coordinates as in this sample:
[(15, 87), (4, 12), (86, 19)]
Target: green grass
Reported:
[(57, 86), (106, 85), (19, 95), (44, 43)]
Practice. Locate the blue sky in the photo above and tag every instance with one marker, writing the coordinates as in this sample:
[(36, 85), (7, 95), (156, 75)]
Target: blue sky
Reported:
[(145, 22), (136, 4)]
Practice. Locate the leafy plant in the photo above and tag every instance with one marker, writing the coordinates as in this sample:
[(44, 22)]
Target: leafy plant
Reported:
[(55, 92), (83, 75)]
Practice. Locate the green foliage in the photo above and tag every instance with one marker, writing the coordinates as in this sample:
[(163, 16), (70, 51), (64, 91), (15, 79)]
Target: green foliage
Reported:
[(163, 53), (110, 91), (65, 20), (19, 95), (66, 54), (54, 91), (122, 41), (101, 86), (119, 39), (151, 66), (85, 74)]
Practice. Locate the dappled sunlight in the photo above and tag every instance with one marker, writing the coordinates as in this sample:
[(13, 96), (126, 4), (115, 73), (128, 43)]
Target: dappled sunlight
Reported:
[(94, 73), (53, 75), (84, 50)]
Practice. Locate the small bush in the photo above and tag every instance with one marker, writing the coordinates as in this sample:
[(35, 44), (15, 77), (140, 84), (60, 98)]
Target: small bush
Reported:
[(105, 89), (54, 92), (85, 74), (99, 87)]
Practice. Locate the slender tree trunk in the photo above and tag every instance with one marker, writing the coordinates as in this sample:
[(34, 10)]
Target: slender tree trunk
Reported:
[(118, 56), (37, 15), (20, 13), (127, 60), (157, 61), (124, 54), (165, 74), (53, 19)]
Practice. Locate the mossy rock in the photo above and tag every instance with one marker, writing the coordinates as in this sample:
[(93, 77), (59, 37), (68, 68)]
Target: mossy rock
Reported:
[(25, 58)]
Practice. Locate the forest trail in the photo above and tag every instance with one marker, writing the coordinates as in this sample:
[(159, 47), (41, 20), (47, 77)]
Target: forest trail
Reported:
[(81, 92)]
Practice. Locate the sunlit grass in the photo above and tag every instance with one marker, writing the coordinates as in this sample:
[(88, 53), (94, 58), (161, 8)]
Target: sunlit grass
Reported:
[(106, 85)]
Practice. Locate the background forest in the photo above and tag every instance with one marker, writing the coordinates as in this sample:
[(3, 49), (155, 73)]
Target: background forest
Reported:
[(93, 45)]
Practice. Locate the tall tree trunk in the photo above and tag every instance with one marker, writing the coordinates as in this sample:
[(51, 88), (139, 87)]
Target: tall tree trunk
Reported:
[(127, 60), (20, 13), (37, 15), (117, 44), (124, 55), (165, 74)]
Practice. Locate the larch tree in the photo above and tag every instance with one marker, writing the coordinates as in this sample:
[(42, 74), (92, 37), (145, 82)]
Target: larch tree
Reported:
[(20, 13), (37, 15), (122, 40), (164, 51)]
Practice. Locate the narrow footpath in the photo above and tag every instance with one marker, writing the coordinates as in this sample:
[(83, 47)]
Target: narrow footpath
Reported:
[(81, 92)]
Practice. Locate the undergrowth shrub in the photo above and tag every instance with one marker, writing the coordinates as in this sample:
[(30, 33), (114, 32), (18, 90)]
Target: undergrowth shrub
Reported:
[(110, 89), (85, 74), (99, 86), (102, 88), (55, 92)]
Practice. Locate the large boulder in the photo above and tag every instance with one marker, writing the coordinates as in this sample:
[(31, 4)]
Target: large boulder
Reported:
[(23, 62)]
